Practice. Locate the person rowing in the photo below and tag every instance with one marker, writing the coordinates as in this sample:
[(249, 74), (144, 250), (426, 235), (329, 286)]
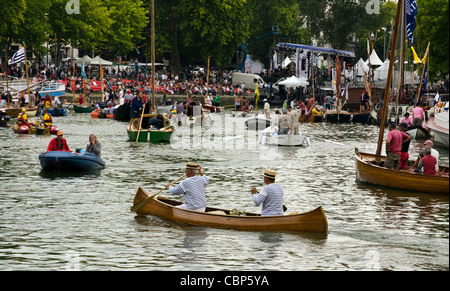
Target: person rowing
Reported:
[(193, 188), (271, 196)]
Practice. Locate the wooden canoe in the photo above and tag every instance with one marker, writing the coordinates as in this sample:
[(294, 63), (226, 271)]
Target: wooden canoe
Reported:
[(313, 221), (368, 172)]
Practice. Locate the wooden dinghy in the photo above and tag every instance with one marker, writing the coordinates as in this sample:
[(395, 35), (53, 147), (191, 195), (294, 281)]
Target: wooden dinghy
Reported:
[(313, 221), (162, 135), (367, 171)]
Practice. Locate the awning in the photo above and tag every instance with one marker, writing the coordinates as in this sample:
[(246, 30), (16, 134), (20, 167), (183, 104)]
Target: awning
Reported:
[(316, 49), (295, 82)]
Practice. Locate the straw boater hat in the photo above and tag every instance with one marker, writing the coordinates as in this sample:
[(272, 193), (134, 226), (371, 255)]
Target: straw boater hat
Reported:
[(191, 166), (270, 174)]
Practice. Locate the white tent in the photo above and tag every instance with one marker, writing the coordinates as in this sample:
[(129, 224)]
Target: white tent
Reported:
[(294, 82), (360, 68), (382, 72), (87, 61), (97, 60), (374, 59)]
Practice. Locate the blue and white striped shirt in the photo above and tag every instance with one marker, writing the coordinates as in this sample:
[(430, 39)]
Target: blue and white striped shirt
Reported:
[(271, 198), (193, 190)]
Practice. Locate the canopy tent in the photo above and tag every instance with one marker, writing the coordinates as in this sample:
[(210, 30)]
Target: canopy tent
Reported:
[(294, 82), (97, 60), (87, 61), (316, 49), (374, 59), (360, 68), (382, 72)]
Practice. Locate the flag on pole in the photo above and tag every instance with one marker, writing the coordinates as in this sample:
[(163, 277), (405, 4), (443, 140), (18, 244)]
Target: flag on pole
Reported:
[(257, 96), (18, 57), (411, 10), (83, 74), (416, 58)]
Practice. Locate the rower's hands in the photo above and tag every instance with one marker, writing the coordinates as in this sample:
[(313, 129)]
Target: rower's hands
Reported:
[(254, 191)]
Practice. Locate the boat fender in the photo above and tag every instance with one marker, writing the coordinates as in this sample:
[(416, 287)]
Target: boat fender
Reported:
[(308, 142)]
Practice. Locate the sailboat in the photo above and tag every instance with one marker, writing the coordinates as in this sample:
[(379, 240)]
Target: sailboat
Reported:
[(369, 167), (337, 115), (156, 135)]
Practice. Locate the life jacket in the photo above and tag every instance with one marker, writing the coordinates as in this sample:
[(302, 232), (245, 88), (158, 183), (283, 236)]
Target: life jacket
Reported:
[(22, 118), (47, 119)]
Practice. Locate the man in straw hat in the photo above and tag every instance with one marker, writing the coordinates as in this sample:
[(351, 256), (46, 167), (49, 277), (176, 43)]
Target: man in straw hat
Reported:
[(193, 188), (271, 196)]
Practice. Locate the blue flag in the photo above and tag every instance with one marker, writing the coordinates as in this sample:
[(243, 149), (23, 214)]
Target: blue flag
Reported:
[(83, 74), (411, 11)]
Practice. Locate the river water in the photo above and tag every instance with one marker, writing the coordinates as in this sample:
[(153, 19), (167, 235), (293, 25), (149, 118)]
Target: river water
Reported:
[(83, 222)]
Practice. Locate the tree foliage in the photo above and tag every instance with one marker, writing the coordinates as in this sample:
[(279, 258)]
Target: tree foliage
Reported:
[(189, 31)]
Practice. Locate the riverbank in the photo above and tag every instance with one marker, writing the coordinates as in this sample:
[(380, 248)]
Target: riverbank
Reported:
[(225, 100)]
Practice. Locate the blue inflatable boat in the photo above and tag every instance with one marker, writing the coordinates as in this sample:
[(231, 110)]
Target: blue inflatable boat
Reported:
[(70, 161)]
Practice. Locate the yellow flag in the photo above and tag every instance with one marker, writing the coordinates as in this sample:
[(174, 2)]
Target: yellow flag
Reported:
[(257, 96), (424, 60), (416, 58)]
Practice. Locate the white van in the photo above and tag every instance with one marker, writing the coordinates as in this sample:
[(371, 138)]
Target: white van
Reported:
[(250, 80)]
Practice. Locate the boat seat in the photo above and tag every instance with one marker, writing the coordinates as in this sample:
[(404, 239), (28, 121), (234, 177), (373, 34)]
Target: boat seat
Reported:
[(219, 212)]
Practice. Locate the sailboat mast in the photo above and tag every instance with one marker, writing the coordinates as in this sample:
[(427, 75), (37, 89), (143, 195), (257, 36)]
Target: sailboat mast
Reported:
[(388, 81), (26, 68), (402, 58), (153, 58)]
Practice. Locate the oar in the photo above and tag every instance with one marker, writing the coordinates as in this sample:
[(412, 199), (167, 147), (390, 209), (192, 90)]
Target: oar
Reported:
[(140, 124), (146, 200)]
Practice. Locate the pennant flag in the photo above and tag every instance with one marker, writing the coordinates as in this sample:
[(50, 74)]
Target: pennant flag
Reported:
[(18, 57), (411, 12), (83, 74), (416, 58)]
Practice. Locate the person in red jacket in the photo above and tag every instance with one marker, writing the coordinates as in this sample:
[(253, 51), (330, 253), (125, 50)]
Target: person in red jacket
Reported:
[(58, 144), (428, 162)]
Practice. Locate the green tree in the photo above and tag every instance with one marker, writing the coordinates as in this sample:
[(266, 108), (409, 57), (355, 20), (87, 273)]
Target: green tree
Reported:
[(432, 26), (12, 12), (85, 30), (128, 22)]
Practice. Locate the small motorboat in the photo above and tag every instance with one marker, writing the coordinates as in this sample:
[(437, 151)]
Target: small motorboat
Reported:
[(270, 136), (258, 123), (70, 161)]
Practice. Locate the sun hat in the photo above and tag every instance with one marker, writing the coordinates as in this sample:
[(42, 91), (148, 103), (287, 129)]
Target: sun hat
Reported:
[(60, 133), (191, 166), (428, 142), (271, 174)]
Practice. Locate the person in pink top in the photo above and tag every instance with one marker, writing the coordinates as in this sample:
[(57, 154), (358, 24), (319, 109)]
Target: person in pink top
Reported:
[(394, 141), (407, 119), (418, 116)]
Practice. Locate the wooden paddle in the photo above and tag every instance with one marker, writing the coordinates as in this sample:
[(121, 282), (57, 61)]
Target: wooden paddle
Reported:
[(140, 123), (139, 205)]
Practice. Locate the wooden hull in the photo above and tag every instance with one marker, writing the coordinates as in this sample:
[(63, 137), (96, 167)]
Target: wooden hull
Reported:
[(133, 134), (82, 109), (314, 221), (160, 136), (311, 118), (370, 173), (335, 117), (363, 117), (213, 109)]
